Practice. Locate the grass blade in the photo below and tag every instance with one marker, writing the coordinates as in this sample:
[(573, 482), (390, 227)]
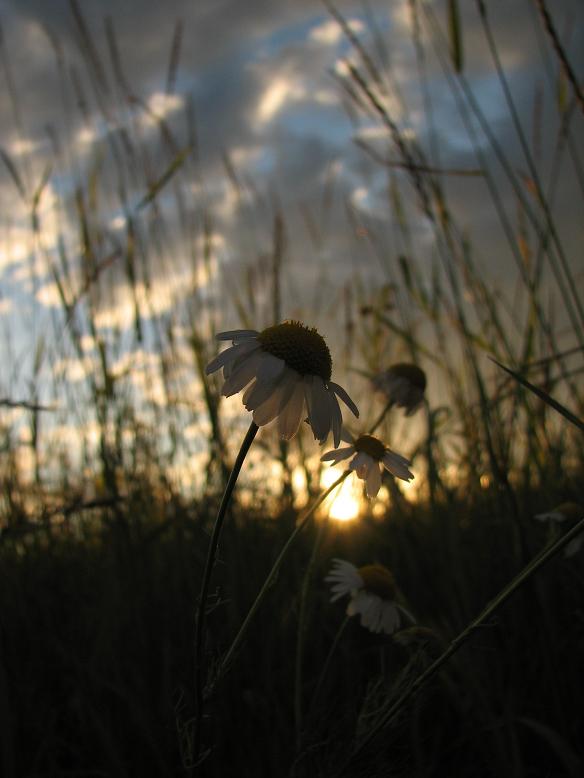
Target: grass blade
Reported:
[(454, 33), (567, 414)]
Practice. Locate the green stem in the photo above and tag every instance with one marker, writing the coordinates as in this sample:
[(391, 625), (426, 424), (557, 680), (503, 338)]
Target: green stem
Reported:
[(202, 607), (303, 521), (458, 641), (303, 606), (300, 634), (381, 417)]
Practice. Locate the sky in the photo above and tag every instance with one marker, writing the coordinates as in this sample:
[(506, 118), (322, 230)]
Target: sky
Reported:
[(251, 94)]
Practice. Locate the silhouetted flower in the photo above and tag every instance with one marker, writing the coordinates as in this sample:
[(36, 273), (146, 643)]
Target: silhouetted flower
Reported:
[(403, 384), (372, 593), (284, 370), (369, 457)]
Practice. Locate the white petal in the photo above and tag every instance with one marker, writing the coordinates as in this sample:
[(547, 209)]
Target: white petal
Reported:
[(373, 482), (397, 465), (336, 417), (231, 353), (369, 606), (389, 618), (342, 564), (550, 516), (318, 408), (269, 409), (338, 592), (338, 454), (240, 376), (236, 335), (257, 394), (291, 414), (344, 397), (270, 367), (360, 463), (344, 577)]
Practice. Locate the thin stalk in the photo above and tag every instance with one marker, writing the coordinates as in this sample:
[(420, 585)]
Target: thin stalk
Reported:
[(300, 635), (228, 658), (571, 286), (202, 608), (303, 606), (459, 641), (381, 417), (560, 52), (327, 662)]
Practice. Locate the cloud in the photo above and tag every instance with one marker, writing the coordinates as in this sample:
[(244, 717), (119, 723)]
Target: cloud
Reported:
[(329, 32), (275, 97), (257, 75)]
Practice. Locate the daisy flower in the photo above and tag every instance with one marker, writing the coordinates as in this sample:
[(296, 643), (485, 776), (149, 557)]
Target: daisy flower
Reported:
[(563, 512), (371, 590), (286, 373), (370, 456), (403, 384)]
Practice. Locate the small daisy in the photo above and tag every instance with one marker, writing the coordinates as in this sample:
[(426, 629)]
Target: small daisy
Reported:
[(372, 593), (370, 456), (403, 384), (563, 512), (286, 368)]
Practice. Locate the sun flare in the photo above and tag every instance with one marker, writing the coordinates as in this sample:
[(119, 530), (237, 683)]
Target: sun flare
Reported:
[(345, 504)]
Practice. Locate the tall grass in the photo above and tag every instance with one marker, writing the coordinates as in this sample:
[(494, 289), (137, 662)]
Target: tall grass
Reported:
[(116, 447)]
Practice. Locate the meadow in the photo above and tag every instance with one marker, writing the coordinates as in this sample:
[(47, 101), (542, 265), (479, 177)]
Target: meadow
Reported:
[(117, 445)]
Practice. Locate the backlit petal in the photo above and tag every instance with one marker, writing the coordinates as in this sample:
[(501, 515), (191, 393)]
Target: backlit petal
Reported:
[(237, 335), (291, 414), (344, 397), (338, 454), (373, 483)]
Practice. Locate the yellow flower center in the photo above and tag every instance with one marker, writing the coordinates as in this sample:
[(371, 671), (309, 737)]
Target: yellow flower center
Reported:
[(301, 348), (412, 373), (378, 580), (370, 445)]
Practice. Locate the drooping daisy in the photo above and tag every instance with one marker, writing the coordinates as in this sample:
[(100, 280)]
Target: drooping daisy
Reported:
[(369, 457), (372, 593), (403, 384), (566, 511), (286, 373)]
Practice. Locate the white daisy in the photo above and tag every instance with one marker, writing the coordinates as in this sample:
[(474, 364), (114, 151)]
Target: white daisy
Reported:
[(372, 592), (286, 373), (563, 512), (403, 384), (370, 456)]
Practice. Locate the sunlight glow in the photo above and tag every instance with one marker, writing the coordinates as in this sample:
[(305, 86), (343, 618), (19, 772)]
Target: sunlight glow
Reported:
[(345, 504)]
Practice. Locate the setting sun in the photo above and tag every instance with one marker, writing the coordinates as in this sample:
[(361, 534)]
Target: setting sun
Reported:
[(345, 503)]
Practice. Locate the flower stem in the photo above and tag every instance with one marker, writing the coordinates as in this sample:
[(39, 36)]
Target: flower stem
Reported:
[(300, 634), (209, 564), (303, 607), (458, 641), (302, 522), (381, 417)]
